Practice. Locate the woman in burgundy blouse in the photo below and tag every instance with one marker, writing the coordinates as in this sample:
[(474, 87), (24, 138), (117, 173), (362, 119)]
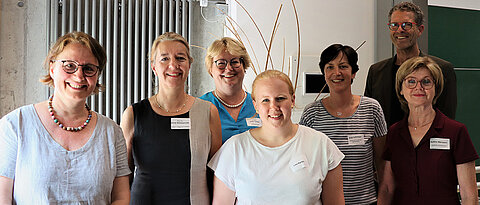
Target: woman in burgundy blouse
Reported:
[(427, 154)]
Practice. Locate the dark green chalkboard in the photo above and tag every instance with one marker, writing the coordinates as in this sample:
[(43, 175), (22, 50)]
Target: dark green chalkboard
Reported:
[(454, 35)]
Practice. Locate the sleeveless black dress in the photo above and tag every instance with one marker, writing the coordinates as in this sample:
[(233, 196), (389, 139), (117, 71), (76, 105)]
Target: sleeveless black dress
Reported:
[(163, 157)]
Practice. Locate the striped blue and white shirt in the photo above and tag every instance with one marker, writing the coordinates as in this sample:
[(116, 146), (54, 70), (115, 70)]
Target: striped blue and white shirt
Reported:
[(354, 137)]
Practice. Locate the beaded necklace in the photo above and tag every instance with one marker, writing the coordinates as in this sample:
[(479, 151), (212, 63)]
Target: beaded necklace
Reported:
[(71, 129), (228, 105)]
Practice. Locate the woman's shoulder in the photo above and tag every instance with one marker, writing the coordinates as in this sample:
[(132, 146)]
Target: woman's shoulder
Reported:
[(313, 107), (309, 133), (448, 122), (15, 114), (201, 104), (369, 101), (238, 139), (207, 96), (106, 124)]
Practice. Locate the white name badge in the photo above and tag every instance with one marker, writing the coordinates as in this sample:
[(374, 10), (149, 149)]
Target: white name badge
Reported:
[(356, 140), (180, 123), (298, 162), (440, 143), (254, 122)]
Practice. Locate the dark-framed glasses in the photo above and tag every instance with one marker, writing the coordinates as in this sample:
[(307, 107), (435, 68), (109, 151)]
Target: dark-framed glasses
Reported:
[(426, 83), (71, 66), (234, 63), (405, 25)]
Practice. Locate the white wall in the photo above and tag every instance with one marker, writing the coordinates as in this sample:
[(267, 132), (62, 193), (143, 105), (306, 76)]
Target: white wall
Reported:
[(322, 23)]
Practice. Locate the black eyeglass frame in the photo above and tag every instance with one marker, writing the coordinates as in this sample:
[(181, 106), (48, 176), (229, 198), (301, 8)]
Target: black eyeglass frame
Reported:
[(403, 25), (228, 62), (77, 65)]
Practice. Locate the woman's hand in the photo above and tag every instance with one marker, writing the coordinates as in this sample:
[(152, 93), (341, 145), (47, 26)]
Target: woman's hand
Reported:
[(467, 182), (6, 190)]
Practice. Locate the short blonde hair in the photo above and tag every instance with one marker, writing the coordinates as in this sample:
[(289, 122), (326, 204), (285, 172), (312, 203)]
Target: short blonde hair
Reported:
[(410, 66), (75, 37), (229, 45), (269, 74), (169, 36)]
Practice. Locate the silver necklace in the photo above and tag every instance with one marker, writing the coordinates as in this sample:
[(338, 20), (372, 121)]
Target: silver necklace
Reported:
[(228, 105), (415, 128), (166, 110)]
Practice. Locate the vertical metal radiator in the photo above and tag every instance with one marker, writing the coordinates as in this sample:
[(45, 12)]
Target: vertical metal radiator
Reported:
[(126, 29)]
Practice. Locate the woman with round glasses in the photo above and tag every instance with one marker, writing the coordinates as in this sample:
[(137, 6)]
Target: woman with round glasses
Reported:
[(226, 61), (171, 135), (59, 151), (427, 154)]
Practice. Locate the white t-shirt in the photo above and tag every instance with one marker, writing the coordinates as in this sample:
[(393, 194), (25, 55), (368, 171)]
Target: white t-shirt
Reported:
[(289, 174)]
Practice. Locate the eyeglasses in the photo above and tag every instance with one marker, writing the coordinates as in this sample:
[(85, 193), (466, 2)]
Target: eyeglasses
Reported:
[(71, 66), (405, 25), (426, 83), (234, 63)]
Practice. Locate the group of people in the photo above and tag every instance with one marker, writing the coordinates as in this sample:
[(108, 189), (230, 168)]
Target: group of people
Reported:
[(396, 136)]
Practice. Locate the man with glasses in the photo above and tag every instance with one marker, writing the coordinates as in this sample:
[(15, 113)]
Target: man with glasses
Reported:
[(406, 26)]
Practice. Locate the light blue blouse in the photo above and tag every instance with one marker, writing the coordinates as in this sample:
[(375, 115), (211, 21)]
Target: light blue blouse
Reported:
[(46, 173)]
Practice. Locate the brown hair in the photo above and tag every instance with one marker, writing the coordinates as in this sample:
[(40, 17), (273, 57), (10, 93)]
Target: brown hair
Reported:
[(410, 7), (75, 37), (412, 65), (229, 45)]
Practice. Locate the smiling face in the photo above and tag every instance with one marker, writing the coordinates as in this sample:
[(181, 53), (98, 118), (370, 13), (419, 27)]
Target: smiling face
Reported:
[(338, 73), (171, 64), (273, 102), (405, 39), (418, 96), (228, 77), (76, 85)]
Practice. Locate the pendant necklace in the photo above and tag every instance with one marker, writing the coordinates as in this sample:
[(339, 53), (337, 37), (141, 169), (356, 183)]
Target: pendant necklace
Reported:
[(415, 128), (166, 110)]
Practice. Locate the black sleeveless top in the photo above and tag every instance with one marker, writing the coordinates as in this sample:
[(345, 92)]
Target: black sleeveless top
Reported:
[(162, 158)]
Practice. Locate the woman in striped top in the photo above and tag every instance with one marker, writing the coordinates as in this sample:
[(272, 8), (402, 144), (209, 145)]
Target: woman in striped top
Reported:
[(356, 124)]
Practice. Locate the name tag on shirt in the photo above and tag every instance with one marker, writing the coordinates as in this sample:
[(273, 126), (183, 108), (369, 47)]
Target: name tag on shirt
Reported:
[(298, 162), (180, 124), (356, 140), (254, 122), (440, 143)]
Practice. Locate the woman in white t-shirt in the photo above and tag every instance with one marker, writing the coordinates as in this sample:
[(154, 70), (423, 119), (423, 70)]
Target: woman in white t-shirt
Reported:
[(280, 162)]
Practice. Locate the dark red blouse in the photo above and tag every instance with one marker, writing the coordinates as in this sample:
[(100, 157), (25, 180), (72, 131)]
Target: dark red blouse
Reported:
[(424, 175)]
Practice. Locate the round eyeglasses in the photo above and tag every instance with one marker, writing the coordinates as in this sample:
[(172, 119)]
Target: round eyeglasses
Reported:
[(405, 26), (426, 83), (71, 66), (234, 63)]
